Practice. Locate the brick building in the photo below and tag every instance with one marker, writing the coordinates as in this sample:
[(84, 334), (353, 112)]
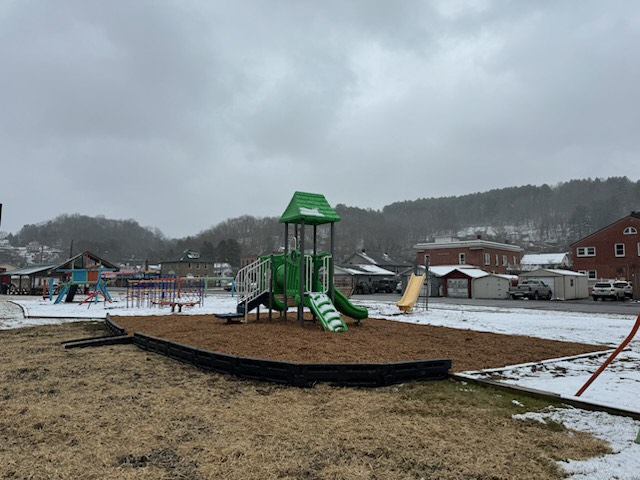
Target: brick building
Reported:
[(188, 263), (492, 257), (613, 252)]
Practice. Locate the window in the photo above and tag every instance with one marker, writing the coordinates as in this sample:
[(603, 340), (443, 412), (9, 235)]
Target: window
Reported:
[(462, 259), (504, 260), (427, 260), (589, 273), (630, 231), (619, 248), (487, 259), (639, 249), (515, 261), (497, 260), (586, 251)]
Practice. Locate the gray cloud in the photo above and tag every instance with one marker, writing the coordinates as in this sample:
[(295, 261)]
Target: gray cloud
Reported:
[(182, 114)]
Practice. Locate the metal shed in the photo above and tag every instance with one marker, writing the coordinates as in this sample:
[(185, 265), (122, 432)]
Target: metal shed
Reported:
[(491, 286), (565, 284)]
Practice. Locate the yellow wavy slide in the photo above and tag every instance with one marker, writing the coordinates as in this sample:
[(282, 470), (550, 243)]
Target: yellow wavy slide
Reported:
[(411, 293)]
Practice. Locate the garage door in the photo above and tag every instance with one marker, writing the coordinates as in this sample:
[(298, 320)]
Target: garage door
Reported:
[(458, 287)]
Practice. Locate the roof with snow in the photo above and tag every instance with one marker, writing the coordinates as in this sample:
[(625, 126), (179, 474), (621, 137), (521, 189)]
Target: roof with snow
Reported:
[(452, 242), (382, 259), (365, 270), (553, 272), (442, 270), (543, 258), (310, 208), (472, 272)]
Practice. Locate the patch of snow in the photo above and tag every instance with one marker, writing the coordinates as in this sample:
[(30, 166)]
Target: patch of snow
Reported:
[(314, 212), (620, 432)]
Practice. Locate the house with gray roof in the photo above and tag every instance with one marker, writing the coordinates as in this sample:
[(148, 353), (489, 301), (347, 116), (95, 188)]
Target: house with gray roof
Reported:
[(385, 261)]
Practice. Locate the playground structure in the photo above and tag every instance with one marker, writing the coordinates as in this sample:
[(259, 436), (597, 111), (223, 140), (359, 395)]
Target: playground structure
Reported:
[(82, 276), (412, 292), (85, 270), (174, 292), (304, 278)]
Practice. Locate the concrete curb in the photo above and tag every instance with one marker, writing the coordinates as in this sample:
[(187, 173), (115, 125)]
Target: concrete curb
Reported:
[(551, 396)]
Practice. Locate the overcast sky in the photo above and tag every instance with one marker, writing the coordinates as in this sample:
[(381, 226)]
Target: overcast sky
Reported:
[(182, 113)]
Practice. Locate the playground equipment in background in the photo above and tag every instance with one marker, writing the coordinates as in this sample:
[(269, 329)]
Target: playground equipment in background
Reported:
[(174, 292), (305, 278), (411, 293), (83, 276)]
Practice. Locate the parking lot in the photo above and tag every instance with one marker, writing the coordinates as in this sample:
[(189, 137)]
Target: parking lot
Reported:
[(586, 305)]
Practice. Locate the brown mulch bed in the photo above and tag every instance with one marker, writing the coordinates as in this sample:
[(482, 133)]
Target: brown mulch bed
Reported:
[(374, 341)]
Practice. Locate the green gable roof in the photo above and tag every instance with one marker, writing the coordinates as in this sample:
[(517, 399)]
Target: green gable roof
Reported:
[(312, 208)]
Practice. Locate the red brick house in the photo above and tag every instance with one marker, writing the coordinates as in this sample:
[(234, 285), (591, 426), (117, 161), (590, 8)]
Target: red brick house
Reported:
[(613, 252), (492, 257)]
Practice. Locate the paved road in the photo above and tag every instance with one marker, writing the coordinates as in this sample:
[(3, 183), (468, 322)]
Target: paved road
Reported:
[(631, 307)]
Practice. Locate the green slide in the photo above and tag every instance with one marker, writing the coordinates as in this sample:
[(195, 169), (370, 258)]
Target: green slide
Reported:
[(319, 303), (324, 310), (349, 309)]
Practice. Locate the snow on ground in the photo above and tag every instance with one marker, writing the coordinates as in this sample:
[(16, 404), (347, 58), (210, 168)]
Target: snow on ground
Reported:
[(618, 386), (623, 464), (38, 309), (553, 325)]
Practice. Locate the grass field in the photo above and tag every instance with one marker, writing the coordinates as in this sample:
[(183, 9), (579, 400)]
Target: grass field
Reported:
[(118, 412)]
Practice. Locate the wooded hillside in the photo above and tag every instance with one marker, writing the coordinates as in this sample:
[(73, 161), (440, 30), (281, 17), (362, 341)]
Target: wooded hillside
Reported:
[(539, 218)]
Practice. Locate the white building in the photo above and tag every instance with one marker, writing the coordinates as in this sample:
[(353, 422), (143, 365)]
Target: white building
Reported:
[(565, 284), (534, 261)]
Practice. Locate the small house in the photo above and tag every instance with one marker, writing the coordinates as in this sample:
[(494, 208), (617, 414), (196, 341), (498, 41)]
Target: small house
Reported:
[(534, 261)]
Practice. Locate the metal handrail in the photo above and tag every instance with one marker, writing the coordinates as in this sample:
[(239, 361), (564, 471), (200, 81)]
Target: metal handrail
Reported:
[(252, 281), (324, 273), (308, 273)]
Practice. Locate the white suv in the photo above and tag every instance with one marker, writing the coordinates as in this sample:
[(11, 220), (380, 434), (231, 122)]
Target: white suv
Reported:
[(602, 290), (627, 288)]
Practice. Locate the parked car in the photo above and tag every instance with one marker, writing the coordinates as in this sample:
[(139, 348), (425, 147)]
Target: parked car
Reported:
[(385, 285), (602, 290), (531, 289), (228, 286), (399, 287), (627, 288), (362, 287)]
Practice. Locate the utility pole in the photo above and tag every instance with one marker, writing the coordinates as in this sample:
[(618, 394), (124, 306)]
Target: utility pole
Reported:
[(426, 279)]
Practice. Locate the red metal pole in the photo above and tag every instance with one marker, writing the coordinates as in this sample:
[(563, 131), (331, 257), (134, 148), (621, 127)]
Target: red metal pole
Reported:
[(626, 341)]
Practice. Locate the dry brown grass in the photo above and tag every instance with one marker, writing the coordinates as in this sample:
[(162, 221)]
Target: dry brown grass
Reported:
[(120, 413)]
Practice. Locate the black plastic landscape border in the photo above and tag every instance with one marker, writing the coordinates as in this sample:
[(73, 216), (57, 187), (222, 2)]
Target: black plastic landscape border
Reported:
[(114, 328), (295, 374)]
